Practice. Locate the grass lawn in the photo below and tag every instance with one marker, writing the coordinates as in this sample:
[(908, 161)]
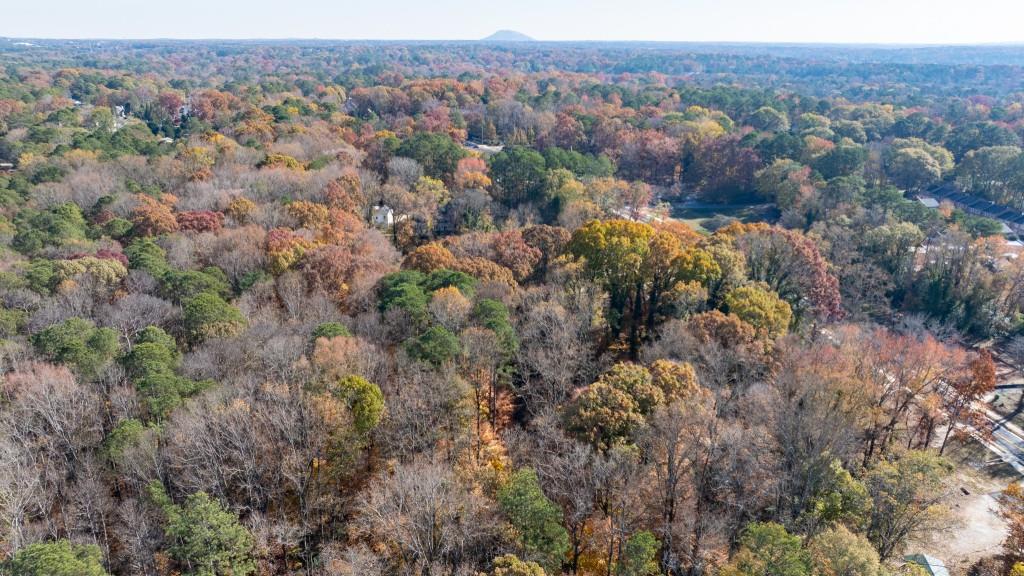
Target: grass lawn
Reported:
[(695, 213)]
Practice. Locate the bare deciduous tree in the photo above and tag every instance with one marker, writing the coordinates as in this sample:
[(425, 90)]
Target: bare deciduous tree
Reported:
[(427, 518), (133, 312)]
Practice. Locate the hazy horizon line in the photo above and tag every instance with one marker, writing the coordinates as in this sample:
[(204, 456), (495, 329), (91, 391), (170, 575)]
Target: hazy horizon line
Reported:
[(894, 44)]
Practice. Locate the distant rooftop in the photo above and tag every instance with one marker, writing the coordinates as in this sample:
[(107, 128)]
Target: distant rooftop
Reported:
[(974, 204)]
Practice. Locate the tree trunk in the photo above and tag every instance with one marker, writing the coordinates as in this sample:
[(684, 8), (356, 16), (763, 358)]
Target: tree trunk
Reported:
[(634, 324)]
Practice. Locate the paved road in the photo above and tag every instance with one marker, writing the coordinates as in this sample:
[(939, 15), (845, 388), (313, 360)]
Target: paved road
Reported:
[(1006, 441), (1009, 442)]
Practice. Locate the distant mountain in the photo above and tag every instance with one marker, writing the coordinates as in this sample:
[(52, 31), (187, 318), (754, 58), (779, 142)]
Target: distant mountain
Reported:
[(508, 36)]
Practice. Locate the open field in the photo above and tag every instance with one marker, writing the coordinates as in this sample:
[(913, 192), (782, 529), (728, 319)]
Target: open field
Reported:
[(975, 529), (696, 213)]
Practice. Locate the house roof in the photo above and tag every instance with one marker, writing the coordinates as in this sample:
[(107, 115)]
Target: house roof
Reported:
[(933, 565), (951, 192), (948, 191), (943, 190), (969, 201), (928, 201)]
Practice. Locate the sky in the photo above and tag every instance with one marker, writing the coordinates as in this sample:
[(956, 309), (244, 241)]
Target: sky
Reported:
[(829, 21)]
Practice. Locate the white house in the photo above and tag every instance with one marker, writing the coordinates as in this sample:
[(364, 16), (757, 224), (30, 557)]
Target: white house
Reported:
[(383, 216)]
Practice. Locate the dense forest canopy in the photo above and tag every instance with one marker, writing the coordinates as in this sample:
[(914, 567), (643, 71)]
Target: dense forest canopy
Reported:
[(435, 309)]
